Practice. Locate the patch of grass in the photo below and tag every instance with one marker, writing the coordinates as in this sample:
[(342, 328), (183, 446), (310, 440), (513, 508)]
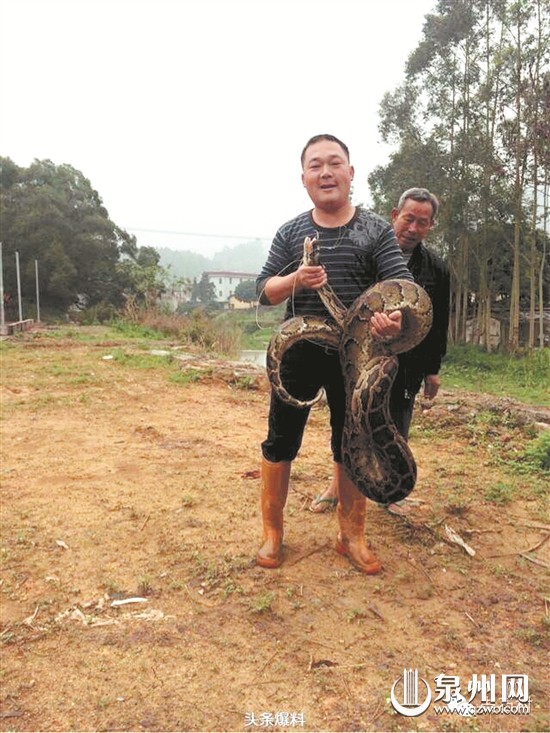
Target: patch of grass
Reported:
[(531, 636), (256, 325), (245, 383), (141, 361), (144, 587), (500, 493), (353, 614), (536, 454), (112, 588), (263, 603), (523, 377), (457, 506), (219, 575), (230, 587), (131, 330), (188, 376)]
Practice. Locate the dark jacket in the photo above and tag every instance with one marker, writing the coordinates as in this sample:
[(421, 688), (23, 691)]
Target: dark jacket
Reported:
[(432, 273)]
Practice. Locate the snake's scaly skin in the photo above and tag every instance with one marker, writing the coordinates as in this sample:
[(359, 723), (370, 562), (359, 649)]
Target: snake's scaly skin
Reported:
[(375, 456)]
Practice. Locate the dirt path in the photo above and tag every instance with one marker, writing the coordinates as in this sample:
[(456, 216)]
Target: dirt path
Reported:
[(119, 482)]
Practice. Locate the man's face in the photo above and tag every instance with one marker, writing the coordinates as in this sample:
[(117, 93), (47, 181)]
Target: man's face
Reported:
[(327, 175), (412, 224)]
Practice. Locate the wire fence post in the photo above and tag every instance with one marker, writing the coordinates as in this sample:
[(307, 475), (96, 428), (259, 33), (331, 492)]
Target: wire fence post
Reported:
[(37, 292), (2, 313), (18, 285)]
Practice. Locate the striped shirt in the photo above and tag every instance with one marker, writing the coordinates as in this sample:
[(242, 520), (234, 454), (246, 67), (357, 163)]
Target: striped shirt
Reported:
[(355, 256)]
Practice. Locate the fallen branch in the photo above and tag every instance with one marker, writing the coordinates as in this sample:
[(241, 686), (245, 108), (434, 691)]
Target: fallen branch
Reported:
[(307, 554), (456, 539), (540, 544), (271, 658), (376, 612), (481, 531), (534, 560), (521, 552), (30, 619), (337, 667), (475, 623), (414, 565)]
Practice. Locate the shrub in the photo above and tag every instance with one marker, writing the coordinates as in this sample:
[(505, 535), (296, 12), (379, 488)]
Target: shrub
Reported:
[(537, 452)]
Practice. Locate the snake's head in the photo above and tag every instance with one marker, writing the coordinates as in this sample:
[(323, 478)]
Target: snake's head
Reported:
[(311, 251)]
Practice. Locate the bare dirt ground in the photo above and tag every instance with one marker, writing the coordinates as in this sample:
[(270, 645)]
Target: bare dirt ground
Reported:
[(119, 481)]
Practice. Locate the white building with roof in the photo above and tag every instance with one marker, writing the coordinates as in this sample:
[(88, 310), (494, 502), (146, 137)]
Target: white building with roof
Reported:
[(225, 282)]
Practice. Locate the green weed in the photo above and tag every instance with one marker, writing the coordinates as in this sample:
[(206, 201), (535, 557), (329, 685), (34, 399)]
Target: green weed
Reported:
[(140, 361), (230, 587), (144, 586), (524, 376), (245, 383), (537, 453), (501, 493), (354, 614), (263, 603), (189, 376)]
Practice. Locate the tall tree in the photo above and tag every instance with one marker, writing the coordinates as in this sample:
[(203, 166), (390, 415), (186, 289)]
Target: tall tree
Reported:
[(472, 109), (51, 213)]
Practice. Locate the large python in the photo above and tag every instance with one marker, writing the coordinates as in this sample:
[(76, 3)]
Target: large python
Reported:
[(375, 456)]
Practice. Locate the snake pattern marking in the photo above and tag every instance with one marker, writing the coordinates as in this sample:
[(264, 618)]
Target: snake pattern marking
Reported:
[(375, 456)]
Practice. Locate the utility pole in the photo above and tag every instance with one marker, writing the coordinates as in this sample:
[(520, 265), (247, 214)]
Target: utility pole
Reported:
[(37, 292), (18, 285), (2, 314)]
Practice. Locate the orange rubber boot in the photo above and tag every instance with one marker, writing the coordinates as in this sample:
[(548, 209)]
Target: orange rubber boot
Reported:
[(275, 480), (352, 510)]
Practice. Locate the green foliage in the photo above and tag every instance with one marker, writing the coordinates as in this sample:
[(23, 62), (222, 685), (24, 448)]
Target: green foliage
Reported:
[(203, 291), (101, 313), (537, 453), (51, 214), (501, 493), (139, 360), (198, 328), (246, 291), (263, 603), (470, 121), (521, 376), (256, 324), (188, 376), (133, 330), (210, 333)]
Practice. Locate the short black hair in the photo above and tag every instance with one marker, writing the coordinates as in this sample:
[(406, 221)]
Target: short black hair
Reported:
[(320, 138), (419, 194)]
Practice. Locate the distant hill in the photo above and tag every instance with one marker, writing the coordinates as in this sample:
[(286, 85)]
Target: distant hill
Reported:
[(245, 257)]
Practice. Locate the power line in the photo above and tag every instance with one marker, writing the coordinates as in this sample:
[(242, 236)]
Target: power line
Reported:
[(198, 234)]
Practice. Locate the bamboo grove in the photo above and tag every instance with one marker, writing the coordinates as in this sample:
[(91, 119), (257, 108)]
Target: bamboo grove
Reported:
[(471, 121)]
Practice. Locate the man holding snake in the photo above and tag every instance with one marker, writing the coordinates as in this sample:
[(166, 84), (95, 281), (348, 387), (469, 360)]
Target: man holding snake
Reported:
[(357, 249), (413, 218)]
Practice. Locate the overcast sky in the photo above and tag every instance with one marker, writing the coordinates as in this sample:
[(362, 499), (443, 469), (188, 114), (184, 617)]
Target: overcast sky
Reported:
[(190, 115)]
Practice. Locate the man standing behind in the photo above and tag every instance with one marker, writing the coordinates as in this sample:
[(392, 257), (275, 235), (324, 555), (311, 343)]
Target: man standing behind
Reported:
[(412, 220)]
